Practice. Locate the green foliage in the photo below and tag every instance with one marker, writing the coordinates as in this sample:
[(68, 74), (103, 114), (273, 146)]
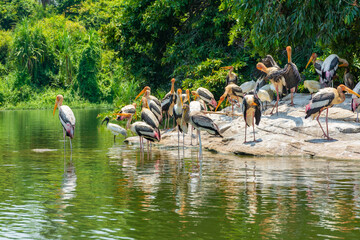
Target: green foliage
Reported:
[(5, 39), (135, 43), (12, 11), (89, 66)]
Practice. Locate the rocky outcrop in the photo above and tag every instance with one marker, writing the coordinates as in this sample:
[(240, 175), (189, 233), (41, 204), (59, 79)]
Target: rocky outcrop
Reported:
[(285, 134)]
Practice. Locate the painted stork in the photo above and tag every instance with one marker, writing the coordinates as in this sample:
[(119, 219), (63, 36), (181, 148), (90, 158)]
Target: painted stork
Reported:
[(149, 97), (355, 101), (349, 79), (329, 67), (168, 102), (131, 108), (182, 126), (269, 66), (231, 77), (200, 122), (312, 86), (148, 116), (234, 93), (324, 99), (153, 106), (143, 129), (196, 106), (290, 73), (317, 65), (114, 128), (67, 118), (252, 111), (206, 96)]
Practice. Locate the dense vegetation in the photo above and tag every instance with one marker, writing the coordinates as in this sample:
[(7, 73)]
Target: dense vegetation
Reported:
[(104, 51)]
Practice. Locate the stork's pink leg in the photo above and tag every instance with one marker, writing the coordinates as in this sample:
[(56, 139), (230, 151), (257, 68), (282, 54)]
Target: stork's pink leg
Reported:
[(327, 127), (317, 119)]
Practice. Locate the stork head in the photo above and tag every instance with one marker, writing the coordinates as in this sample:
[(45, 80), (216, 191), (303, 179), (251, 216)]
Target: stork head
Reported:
[(195, 94), (228, 68), (179, 93), (188, 95), (172, 85), (288, 50), (260, 66), (312, 59), (58, 102), (345, 88), (142, 92), (220, 101)]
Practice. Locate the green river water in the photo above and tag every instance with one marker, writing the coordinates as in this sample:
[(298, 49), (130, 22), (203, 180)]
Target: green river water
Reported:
[(104, 190)]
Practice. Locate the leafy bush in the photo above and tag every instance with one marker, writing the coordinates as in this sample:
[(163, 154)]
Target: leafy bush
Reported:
[(5, 39), (89, 66)]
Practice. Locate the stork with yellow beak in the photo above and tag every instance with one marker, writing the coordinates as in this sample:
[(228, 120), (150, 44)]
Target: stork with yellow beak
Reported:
[(67, 118)]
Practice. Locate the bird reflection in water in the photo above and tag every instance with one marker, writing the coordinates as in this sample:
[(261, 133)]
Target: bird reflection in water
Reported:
[(68, 186)]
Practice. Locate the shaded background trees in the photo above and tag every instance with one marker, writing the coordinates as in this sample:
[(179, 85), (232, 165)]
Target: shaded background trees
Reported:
[(45, 44)]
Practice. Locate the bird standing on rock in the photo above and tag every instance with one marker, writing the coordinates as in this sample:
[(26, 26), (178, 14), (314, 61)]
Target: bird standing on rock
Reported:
[(329, 67), (231, 77), (324, 99), (278, 83), (234, 93), (114, 128), (290, 73), (67, 118), (251, 111), (317, 65)]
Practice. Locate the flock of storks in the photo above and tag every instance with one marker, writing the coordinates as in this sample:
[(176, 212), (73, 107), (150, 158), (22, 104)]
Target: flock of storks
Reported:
[(250, 95)]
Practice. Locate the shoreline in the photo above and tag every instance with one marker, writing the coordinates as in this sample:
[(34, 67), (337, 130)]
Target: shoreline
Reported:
[(287, 134)]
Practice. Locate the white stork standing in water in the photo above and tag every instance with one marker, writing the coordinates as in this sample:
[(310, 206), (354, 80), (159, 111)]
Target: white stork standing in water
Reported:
[(324, 99), (231, 77), (114, 128), (355, 101), (200, 122), (329, 67), (67, 118), (251, 111)]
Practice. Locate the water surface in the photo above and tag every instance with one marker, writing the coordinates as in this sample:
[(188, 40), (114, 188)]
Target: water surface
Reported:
[(113, 191)]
